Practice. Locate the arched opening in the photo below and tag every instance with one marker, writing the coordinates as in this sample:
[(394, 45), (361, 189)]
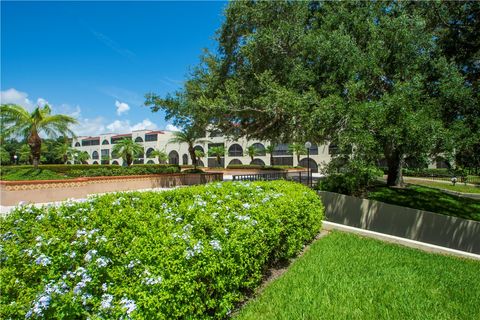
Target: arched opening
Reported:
[(235, 162), (235, 150), (115, 162), (105, 142), (138, 139), (199, 148), (77, 144), (95, 162), (314, 149), (257, 162), (138, 161), (95, 155), (185, 159), (149, 152), (173, 157), (312, 164), (150, 162), (140, 155), (260, 148), (442, 163), (200, 163)]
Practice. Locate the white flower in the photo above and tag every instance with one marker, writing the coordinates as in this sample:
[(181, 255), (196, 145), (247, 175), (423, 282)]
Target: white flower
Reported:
[(106, 301), (129, 305), (102, 262), (150, 281), (43, 260), (246, 206), (215, 245), (90, 254), (133, 263), (104, 287)]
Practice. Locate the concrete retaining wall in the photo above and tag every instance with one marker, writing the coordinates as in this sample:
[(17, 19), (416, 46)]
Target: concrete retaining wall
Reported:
[(424, 226), (12, 192)]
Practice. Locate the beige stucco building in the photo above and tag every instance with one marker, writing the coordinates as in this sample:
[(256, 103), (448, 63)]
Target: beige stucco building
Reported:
[(100, 150)]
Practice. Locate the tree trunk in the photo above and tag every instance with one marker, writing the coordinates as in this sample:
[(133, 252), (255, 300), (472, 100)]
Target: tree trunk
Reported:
[(251, 157), (35, 144), (395, 165), (191, 151), (129, 159), (271, 160)]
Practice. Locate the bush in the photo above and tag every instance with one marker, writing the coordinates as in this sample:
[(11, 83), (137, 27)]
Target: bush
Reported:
[(187, 253), (259, 167), (193, 171), (433, 172), (74, 171), (31, 174), (354, 178)]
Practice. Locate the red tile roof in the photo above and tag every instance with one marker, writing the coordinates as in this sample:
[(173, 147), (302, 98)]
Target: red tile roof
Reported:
[(152, 132), (122, 135), (91, 138)]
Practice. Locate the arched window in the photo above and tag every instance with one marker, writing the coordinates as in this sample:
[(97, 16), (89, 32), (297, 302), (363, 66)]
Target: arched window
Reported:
[(95, 162), (258, 162), (200, 163), (138, 139), (260, 147), (77, 144), (173, 157), (115, 162), (95, 155), (185, 159), (235, 162), (281, 150), (235, 150), (314, 149), (149, 152), (199, 148), (105, 141), (150, 162), (138, 161), (306, 164)]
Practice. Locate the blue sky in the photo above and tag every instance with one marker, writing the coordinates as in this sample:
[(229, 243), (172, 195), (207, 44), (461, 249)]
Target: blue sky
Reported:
[(96, 60)]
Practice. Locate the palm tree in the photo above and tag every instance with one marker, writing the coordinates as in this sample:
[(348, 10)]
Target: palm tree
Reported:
[(270, 149), (82, 156), (15, 119), (160, 155), (298, 149), (189, 135), (252, 151), (127, 149), (198, 155), (64, 152), (217, 152)]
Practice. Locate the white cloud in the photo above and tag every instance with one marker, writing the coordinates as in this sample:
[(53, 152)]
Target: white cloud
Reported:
[(42, 102), (89, 127), (146, 124), (123, 126), (171, 127), (121, 107), (16, 97)]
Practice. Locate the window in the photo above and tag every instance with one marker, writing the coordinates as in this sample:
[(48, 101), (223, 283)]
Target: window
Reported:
[(283, 161), (94, 155), (115, 162), (235, 150), (185, 159), (281, 150), (90, 142), (116, 139), (105, 142), (215, 133), (333, 148), (173, 157), (258, 162), (138, 139), (149, 152), (314, 149), (235, 162), (199, 148), (77, 144), (260, 148), (105, 153), (151, 137)]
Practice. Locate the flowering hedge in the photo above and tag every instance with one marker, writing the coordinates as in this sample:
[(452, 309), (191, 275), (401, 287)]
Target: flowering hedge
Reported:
[(187, 253)]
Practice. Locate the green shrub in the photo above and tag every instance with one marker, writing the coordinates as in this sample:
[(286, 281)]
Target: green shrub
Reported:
[(193, 171), (31, 174), (187, 253), (354, 178), (258, 167), (74, 171)]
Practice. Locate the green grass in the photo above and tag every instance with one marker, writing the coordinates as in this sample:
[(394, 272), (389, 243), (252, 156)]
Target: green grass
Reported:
[(343, 276), (32, 174), (459, 187), (429, 199)]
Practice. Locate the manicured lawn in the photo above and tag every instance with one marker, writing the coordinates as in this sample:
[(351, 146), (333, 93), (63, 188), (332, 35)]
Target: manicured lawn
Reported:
[(343, 276), (429, 199), (33, 174), (459, 187)]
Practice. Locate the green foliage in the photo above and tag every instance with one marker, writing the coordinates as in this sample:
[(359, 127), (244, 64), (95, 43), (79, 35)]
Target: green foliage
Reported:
[(30, 174), (354, 178), (259, 167), (345, 276), (16, 120), (127, 149), (218, 152), (162, 156), (87, 170), (252, 152), (195, 170), (369, 74), (187, 253), (4, 157)]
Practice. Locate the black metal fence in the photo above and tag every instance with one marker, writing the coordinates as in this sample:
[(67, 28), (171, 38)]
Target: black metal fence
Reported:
[(301, 177)]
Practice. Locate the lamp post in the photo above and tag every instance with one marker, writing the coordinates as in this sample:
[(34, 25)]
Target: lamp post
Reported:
[(15, 157), (308, 145)]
